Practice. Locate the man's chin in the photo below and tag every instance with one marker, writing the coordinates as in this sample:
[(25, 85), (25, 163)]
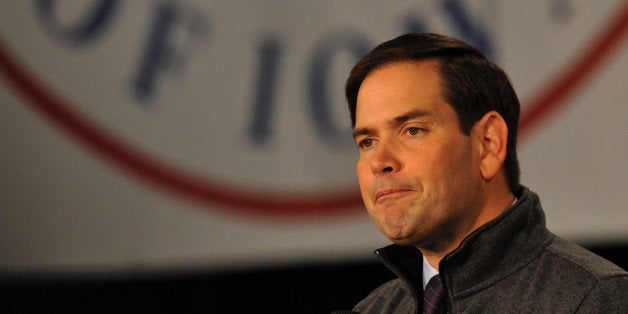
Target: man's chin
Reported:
[(404, 240)]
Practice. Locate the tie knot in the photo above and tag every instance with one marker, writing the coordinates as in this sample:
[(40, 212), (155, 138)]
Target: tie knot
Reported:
[(434, 296)]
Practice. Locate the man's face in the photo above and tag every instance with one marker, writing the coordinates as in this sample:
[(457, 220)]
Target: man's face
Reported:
[(419, 175)]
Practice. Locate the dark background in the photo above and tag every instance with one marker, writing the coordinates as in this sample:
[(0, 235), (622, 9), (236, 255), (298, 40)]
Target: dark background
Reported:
[(295, 289)]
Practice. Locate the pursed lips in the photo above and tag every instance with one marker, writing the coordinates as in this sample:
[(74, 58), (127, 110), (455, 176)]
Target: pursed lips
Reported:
[(383, 193)]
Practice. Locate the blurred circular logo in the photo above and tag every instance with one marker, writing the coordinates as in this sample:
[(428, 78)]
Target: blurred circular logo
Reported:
[(225, 106)]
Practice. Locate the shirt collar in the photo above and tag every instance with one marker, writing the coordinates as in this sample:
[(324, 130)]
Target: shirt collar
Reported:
[(428, 272)]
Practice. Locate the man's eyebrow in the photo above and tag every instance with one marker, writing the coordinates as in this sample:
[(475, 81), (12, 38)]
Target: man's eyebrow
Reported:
[(409, 115), (394, 121), (361, 131)]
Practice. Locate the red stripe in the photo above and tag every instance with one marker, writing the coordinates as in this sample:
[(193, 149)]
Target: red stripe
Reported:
[(556, 93), (183, 183)]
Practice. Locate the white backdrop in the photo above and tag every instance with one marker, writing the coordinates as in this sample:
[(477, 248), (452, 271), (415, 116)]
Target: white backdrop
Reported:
[(139, 136)]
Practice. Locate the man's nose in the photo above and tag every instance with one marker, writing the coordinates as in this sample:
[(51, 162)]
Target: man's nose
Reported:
[(385, 159)]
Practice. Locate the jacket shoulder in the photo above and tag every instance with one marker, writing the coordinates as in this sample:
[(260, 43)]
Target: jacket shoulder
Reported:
[(603, 283), (573, 255)]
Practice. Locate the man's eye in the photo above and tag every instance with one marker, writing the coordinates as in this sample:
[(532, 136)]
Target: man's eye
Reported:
[(413, 130), (366, 143)]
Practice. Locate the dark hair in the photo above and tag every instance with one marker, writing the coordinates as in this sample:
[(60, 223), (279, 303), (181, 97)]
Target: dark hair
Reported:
[(473, 85)]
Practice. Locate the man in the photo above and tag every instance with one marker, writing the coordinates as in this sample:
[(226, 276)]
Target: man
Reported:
[(435, 124)]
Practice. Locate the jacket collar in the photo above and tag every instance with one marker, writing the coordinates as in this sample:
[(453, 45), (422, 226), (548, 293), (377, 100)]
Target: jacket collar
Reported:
[(488, 254)]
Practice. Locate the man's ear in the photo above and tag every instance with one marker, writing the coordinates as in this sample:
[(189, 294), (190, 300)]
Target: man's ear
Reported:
[(492, 133)]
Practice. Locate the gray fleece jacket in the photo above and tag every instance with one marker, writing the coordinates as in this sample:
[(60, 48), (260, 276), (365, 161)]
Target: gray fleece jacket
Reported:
[(512, 264)]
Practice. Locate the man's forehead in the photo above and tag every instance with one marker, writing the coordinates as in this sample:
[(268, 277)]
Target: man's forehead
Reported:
[(398, 91), (394, 115), (408, 83)]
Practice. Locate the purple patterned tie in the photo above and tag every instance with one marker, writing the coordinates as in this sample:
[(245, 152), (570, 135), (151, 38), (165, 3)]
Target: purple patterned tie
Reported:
[(434, 297)]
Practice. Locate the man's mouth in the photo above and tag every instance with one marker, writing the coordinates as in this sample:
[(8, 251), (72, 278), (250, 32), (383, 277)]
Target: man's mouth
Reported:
[(389, 193)]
